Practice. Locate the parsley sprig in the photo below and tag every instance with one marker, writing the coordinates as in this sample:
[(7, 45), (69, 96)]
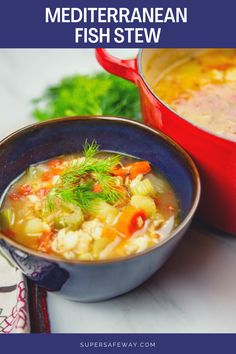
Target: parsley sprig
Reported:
[(96, 94)]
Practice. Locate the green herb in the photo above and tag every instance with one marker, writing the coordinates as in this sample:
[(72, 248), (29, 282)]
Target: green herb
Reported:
[(78, 181), (98, 94), (90, 150)]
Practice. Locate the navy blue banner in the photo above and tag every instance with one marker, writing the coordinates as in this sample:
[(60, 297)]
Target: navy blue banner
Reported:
[(120, 343), (117, 23)]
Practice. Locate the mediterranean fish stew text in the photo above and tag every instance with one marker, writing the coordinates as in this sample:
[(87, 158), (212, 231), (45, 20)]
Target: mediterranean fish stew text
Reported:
[(90, 206)]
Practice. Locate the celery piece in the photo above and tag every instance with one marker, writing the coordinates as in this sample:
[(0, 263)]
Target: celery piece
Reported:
[(7, 218)]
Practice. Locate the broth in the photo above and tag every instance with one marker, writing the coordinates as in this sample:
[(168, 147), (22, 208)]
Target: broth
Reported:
[(85, 207), (202, 89)]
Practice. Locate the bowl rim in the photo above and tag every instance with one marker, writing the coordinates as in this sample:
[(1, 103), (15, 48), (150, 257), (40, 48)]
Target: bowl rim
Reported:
[(178, 149), (198, 127)]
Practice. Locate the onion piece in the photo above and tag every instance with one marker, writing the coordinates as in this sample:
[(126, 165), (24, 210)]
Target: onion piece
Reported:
[(167, 227), (107, 250)]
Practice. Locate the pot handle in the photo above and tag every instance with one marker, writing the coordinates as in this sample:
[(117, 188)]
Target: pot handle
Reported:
[(127, 69)]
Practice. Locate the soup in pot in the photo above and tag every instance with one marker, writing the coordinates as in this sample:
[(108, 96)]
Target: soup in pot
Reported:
[(90, 206), (202, 89)]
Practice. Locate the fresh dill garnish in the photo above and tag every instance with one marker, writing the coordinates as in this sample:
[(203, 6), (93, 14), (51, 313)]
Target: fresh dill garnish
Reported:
[(90, 150), (78, 182)]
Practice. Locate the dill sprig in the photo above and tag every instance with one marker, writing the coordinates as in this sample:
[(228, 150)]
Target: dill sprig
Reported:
[(79, 179), (90, 150)]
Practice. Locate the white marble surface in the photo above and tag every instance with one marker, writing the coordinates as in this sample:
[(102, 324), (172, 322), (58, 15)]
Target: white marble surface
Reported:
[(195, 291)]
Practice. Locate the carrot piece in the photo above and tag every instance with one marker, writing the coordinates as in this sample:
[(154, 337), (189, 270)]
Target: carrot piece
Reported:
[(121, 171), (56, 166), (54, 163), (133, 170), (57, 171), (142, 167), (44, 242), (14, 196), (47, 176), (97, 188), (109, 232), (130, 220), (25, 189)]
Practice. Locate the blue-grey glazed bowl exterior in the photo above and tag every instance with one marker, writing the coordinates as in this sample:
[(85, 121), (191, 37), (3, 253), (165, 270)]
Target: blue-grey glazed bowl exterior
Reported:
[(100, 280)]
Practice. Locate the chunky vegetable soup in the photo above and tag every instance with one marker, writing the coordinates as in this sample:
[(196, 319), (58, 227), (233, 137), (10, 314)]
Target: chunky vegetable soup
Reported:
[(202, 89), (90, 206)]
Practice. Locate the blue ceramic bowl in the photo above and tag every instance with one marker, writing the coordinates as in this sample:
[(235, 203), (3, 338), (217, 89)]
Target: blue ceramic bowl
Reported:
[(98, 280)]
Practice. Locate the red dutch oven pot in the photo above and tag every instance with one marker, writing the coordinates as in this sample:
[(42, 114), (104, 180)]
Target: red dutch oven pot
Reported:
[(214, 155)]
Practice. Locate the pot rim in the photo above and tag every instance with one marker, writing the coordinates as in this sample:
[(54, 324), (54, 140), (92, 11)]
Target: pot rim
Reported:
[(142, 76), (178, 149)]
